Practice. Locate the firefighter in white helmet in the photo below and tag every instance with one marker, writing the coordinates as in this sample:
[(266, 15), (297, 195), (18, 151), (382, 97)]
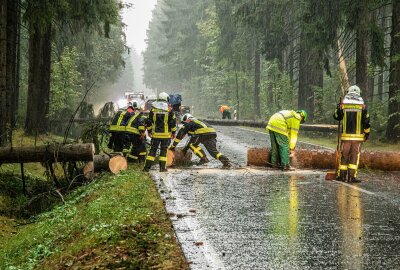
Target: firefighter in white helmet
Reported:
[(355, 130), (200, 132), (161, 127)]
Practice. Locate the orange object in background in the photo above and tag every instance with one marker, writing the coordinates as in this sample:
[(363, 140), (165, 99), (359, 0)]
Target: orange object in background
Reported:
[(224, 108)]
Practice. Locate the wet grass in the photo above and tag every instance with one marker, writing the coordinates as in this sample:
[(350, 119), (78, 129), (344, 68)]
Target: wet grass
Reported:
[(114, 222)]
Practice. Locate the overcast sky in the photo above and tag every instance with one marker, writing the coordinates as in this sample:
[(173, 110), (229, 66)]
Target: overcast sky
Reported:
[(137, 18)]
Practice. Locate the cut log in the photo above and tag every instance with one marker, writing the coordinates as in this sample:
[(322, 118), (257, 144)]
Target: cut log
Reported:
[(325, 159), (103, 162), (177, 158), (99, 163), (47, 153), (117, 164)]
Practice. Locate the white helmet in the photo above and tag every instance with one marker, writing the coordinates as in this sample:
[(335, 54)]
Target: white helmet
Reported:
[(354, 89), (163, 96), (186, 116)]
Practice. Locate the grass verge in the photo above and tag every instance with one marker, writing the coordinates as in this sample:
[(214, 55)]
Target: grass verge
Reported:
[(116, 222)]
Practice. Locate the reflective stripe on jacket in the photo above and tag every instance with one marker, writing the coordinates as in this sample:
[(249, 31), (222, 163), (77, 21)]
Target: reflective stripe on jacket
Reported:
[(119, 121), (136, 124), (161, 123), (355, 121), (194, 127), (286, 123)]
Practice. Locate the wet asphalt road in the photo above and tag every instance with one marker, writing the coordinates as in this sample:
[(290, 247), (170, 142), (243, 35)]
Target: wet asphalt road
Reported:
[(247, 218)]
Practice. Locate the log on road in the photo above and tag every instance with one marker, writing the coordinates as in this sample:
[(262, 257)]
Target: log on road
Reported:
[(178, 158), (325, 159), (103, 162), (47, 153)]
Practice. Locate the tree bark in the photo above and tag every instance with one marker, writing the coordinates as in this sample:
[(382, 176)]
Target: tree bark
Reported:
[(47, 153), (38, 80), (362, 38), (393, 125), (325, 159), (310, 76), (12, 47), (257, 78), (5, 89)]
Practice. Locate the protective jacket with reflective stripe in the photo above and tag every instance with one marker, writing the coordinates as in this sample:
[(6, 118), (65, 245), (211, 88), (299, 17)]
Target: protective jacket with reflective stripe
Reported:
[(286, 123), (161, 124), (136, 124), (194, 127), (355, 121), (120, 121)]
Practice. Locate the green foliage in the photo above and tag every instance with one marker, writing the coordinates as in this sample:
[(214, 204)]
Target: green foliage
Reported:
[(119, 216), (66, 88), (206, 50), (95, 132), (277, 92)]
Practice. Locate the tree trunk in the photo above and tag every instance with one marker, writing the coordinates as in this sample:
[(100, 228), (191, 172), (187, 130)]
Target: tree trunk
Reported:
[(393, 125), (257, 76), (310, 76), (5, 90), (381, 82), (381, 76), (38, 81), (325, 159), (362, 40), (12, 36), (49, 153)]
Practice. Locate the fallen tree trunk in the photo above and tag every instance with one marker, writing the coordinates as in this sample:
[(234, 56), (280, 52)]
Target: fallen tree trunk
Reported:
[(325, 159), (103, 162), (263, 124), (47, 153)]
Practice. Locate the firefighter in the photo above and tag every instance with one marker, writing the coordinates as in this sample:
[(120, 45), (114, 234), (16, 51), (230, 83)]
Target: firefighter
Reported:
[(136, 133), (355, 130), (283, 127), (118, 140), (200, 132), (161, 127), (226, 111)]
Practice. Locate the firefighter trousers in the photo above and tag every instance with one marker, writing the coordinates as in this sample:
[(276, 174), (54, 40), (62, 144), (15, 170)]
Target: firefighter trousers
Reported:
[(350, 159), (138, 149), (280, 149), (210, 143), (117, 141), (155, 144)]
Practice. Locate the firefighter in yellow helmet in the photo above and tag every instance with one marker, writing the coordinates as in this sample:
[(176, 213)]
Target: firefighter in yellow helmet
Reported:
[(200, 132), (161, 127), (355, 130), (283, 127)]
